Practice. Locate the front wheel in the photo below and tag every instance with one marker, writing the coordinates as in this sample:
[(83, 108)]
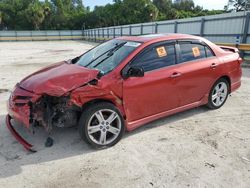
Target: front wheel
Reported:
[(101, 125), (218, 94)]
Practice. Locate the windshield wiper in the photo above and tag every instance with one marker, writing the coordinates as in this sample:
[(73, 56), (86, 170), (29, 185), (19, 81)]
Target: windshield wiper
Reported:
[(109, 53)]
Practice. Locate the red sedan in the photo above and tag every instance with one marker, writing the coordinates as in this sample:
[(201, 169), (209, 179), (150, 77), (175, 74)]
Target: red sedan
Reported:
[(125, 83)]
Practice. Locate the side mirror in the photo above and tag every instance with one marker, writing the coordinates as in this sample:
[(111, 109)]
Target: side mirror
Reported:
[(133, 72)]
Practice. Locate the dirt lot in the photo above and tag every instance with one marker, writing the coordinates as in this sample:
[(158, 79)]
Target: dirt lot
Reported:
[(197, 148)]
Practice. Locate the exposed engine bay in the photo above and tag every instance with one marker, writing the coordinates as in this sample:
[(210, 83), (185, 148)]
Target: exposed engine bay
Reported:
[(50, 111)]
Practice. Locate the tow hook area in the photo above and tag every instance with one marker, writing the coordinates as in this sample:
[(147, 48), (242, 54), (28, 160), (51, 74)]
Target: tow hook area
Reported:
[(25, 144), (49, 142)]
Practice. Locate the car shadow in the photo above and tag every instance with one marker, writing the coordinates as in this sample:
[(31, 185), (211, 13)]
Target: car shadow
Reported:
[(67, 143)]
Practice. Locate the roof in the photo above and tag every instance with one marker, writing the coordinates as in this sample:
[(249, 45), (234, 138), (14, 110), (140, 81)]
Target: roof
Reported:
[(156, 37)]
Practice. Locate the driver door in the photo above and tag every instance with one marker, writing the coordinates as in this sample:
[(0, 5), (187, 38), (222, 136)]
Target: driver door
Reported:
[(155, 92)]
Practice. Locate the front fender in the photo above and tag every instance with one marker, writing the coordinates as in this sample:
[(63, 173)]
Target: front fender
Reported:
[(89, 92)]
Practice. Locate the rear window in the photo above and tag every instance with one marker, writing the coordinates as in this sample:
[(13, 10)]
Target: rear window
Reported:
[(193, 51), (190, 52)]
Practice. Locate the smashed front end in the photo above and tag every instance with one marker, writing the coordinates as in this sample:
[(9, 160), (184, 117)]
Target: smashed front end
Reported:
[(55, 96), (43, 98), (39, 110)]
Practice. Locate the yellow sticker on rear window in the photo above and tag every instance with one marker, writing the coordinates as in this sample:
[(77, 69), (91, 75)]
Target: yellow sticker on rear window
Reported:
[(161, 51), (196, 52)]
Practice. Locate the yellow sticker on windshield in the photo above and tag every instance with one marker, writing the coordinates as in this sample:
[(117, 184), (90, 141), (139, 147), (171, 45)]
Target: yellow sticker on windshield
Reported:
[(196, 51), (161, 51)]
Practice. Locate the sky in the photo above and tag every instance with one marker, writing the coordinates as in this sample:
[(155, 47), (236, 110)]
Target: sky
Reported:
[(207, 4)]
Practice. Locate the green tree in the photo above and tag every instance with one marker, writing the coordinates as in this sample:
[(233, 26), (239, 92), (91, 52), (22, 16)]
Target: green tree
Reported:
[(237, 5), (13, 13), (35, 14), (1, 17), (71, 14), (185, 5), (165, 8), (139, 11)]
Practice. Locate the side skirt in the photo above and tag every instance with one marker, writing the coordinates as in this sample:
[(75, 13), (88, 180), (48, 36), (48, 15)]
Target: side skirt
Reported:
[(138, 123)]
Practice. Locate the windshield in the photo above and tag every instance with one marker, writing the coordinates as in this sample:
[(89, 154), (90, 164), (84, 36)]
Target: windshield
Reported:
[(108, 55)]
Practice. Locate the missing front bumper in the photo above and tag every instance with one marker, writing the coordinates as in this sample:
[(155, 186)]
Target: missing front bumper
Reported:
[(18, 137)]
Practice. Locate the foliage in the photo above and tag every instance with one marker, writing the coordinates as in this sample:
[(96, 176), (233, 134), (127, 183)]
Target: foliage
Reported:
[(35, 14), (237, 5), (71, 14)]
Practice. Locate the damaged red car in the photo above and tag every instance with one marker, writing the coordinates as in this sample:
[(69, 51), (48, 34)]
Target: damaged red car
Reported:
[(125, 83)]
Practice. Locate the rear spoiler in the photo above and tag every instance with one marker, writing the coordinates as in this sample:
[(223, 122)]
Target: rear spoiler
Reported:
[(230, 49)]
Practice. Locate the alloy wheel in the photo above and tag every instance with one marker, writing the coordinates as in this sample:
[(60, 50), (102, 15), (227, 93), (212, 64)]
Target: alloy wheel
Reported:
[(104, 126), (219, 94)]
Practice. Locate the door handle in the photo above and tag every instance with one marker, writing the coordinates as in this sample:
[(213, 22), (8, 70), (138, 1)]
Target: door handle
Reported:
[(175, 74), (214, 65)]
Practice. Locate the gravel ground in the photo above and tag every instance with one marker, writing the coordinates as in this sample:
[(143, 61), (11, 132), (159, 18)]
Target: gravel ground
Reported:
[(196, 148)]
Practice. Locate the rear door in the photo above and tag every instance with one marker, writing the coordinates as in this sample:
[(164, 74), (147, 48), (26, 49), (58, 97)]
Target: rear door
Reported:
[(198, 68), (155, 92)]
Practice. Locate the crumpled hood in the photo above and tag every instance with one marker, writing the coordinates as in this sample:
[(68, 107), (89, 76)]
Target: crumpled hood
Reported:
[(58, 79)]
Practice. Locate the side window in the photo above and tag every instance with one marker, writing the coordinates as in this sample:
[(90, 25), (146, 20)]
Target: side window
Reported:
[(156, 57), (190, 51), (209, 53)]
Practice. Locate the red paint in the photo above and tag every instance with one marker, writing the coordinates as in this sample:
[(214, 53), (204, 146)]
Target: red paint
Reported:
[(58, 79), (140, 100), (21, 113), (25, 144)]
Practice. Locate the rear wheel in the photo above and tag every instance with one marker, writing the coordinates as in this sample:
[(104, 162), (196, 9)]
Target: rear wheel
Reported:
[(101, 125), (218, 94)]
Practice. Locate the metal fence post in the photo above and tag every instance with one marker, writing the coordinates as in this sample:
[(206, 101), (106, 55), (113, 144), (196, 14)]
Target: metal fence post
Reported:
[(141, 29), (95, 34), (202, 27), (46, 32), (246, 28), (121, 31), (31, 36), (156, 27), (108, 32), (113, 32), (60, 35), (102, 32), (16, 35), (98, 34), (130, 30), (175, 26)]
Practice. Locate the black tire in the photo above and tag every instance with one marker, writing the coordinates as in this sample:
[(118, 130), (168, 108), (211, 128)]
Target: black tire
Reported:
[(211, 103), (85, 122)]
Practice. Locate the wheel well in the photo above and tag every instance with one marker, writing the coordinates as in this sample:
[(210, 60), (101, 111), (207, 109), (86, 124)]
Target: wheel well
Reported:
[(94, 102), (228, 80), (89, 103)]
